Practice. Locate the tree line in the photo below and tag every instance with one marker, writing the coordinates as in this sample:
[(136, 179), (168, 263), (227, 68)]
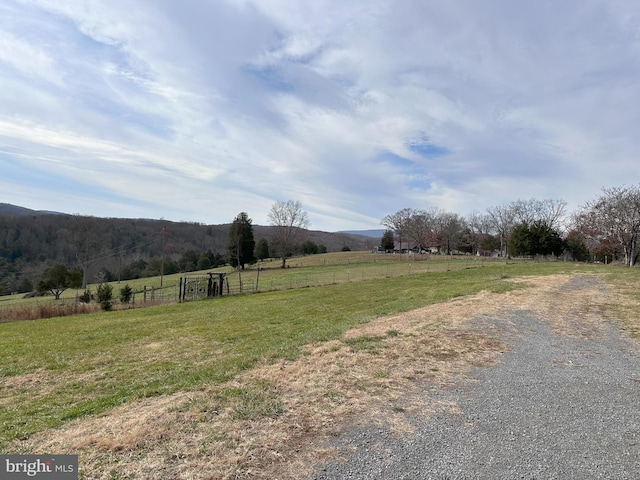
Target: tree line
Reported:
[(107, 250), (604, 229)]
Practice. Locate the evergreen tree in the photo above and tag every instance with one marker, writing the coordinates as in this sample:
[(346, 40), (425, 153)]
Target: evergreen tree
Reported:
[(241, 245), (576, 246), (545, 240), (520, 244), (86, 297), (126, 294), (105, 295), (262, 249), (387, 241), (204, 262), (309, 248), (535, 239), (189, 261), (490, 243)]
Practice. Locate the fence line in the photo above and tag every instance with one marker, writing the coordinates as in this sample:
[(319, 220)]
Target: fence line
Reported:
[(197, 286), (274, 279)]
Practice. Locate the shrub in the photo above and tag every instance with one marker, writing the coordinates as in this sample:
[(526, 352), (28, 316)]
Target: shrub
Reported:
[(105, 294), (126, 294), (86, 297)]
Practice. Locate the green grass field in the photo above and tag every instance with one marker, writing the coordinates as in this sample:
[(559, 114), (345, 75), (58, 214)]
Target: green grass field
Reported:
[(306, 271), (54, 370)]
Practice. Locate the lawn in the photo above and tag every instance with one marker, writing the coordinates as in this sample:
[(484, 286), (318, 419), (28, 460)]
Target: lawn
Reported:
[(54, 370)]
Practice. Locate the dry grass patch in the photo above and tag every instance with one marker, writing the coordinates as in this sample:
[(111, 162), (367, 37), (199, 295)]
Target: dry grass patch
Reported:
[(275, 421), (574, 306), (49, 309), (624, 301)]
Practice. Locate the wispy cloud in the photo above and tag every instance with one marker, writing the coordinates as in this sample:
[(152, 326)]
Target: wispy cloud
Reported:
[(200, 110)]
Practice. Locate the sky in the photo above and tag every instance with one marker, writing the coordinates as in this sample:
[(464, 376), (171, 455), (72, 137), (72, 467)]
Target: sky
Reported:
[(197, 110)]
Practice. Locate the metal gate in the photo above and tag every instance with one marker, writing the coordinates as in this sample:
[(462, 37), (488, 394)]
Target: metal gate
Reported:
[(198, 287)]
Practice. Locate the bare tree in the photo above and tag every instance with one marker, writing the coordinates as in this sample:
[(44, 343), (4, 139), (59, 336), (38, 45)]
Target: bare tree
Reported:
[(502, 220), (419, 229), (552, 213), (289, 221), (615, 215), (479, 227), (398, 223), (450, 227), (548, 212), (414, 226), (423, 229)]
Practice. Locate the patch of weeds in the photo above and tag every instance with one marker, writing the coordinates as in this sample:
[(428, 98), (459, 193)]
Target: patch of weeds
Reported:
[(366, 343), (371, 387), (223, 439), (203, 408), (116, 475), (220, 437), (328, 349), (444, 353), (381, 374), (189, 404), (333, 394), (253, 402), (363, 386), (393, 333)]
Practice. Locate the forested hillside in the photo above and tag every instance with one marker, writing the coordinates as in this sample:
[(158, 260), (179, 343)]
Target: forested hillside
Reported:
[(113, 248)]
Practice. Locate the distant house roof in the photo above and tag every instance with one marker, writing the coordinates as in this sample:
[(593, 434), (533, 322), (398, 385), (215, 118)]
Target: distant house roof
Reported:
[(399, 246)]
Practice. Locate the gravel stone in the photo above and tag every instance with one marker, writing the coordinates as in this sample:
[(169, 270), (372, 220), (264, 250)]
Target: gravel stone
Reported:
[(556, 407)]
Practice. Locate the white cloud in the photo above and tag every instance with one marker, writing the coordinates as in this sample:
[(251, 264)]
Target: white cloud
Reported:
[(167, 104), (27, 59)]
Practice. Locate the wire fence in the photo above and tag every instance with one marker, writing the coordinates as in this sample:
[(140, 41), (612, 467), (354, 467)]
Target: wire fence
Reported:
[(47, 307), (263, 279), (167, 294), (301, 273)]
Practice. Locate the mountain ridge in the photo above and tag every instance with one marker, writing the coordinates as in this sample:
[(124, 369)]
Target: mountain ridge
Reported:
[(8, 209), (31, 240)]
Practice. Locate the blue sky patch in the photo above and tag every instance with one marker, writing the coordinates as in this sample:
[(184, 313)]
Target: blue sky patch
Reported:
[(395, 160), (419, 182), (270, 77), (428, 150)]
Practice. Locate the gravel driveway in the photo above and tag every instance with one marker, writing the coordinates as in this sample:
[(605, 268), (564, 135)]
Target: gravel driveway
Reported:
[(555, 407)]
